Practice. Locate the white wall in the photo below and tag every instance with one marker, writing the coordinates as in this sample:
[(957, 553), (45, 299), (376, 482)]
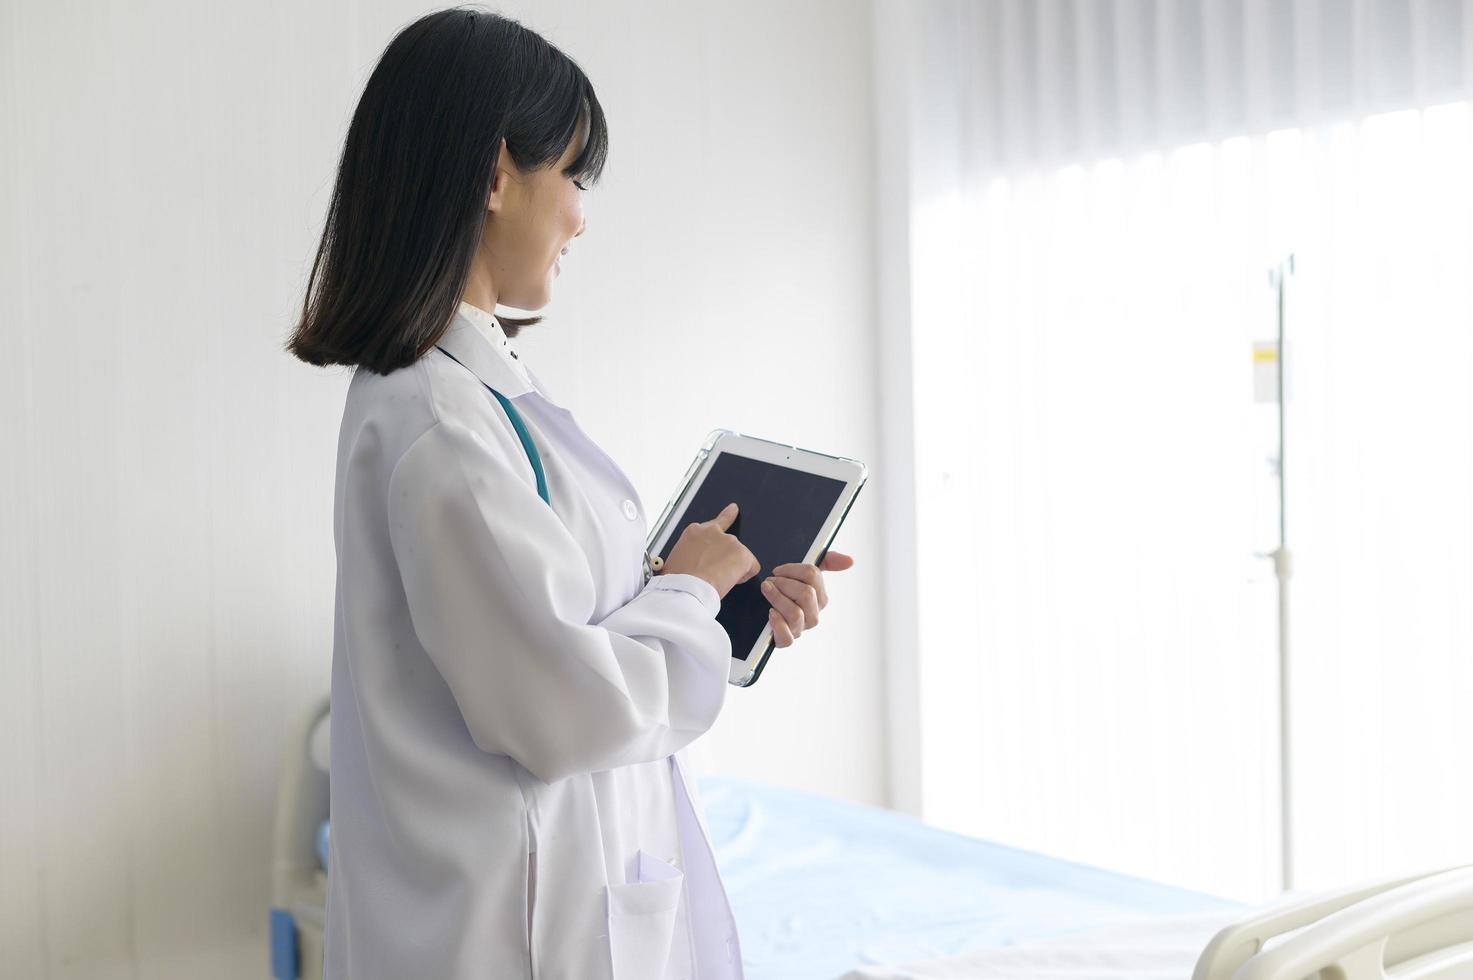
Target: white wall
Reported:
[(166, 554)]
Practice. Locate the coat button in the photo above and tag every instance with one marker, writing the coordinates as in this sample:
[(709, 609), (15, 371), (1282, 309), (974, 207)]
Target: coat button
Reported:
[(629, 510)]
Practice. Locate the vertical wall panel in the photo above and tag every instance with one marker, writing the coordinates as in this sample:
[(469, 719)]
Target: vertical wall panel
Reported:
[(84, 839), (23, 923)]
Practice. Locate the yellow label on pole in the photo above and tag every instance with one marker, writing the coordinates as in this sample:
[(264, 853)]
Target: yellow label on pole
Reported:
[(1266, 371)]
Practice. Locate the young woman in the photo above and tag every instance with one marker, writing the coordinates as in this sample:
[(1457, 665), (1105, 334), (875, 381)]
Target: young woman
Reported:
[(510, 687)]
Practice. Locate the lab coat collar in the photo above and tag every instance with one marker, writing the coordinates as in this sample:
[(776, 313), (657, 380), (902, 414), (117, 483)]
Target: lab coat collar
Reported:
[(476, 340)]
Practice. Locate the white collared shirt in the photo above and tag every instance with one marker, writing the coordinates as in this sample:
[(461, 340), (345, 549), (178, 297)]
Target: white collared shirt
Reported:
[(500, 342)]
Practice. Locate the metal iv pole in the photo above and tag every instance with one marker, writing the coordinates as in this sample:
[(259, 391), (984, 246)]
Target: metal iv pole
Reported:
[(1278, 279)]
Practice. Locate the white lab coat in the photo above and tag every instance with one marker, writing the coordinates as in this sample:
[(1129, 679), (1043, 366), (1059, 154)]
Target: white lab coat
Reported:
[(508, 697)]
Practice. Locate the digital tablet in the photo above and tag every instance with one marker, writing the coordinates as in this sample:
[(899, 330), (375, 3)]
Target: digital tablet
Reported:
[(790, 503)]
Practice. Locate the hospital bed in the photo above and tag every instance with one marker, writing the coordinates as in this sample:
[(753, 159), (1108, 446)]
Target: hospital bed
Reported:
[(823, 889)]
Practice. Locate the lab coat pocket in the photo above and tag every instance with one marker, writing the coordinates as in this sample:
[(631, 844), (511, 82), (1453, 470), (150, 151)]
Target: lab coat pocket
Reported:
[(642, 919)]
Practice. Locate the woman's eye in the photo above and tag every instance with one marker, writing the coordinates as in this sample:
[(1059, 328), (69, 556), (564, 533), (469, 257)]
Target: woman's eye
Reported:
[(579, 186)]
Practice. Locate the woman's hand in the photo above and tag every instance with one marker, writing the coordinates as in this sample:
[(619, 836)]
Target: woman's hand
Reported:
[(797, 594), (707, 551)]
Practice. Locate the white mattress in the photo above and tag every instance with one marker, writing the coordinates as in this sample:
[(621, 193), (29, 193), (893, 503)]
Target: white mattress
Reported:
[(1135, 948)]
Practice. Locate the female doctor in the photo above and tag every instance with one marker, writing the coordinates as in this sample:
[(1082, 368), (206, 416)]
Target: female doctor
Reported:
[(510, 686)]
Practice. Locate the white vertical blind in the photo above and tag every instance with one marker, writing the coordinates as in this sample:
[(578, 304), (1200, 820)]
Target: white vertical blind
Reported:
[(1049, 81), (1099, 677), (1098, 192), (1380, 466)]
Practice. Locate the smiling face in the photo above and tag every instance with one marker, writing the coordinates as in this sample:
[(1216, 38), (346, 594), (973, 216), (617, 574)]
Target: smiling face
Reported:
[(534, 216)]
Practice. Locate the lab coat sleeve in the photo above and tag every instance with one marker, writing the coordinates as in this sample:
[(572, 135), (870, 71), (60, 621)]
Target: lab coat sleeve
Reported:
[(502, 598)]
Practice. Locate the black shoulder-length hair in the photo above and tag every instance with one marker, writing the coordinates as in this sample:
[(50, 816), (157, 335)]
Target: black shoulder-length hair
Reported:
[(417, 166)]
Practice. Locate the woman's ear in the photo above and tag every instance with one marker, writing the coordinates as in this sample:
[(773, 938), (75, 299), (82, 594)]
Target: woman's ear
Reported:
[(499, 180)]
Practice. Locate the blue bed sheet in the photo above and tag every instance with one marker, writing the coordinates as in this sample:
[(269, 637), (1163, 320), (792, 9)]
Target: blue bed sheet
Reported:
[(822, 886)]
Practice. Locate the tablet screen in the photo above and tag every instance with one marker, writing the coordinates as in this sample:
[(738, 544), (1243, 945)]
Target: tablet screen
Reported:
[(779, 514)]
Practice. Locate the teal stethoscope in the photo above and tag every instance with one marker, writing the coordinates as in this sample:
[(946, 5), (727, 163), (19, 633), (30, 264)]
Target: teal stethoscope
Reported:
[(519, 425), (651, 565)]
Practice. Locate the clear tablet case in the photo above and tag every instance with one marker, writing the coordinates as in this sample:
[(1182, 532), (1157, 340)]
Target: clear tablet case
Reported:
[(662, 525)]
